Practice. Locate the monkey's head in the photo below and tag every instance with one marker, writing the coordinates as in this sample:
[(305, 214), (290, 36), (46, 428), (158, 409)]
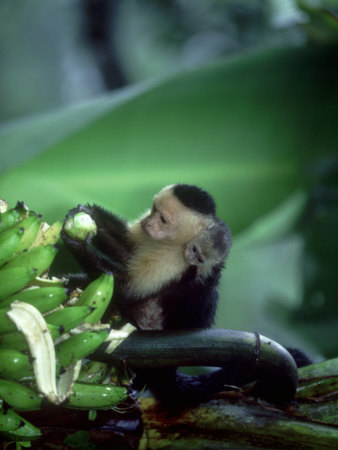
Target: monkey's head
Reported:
[(180, 212)]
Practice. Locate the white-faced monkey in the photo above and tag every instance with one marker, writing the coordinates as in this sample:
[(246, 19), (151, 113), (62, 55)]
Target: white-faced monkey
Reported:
[(167, 267)]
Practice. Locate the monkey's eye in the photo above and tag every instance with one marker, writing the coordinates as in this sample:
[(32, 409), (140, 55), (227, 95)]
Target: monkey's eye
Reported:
[(194, 249), (163, 219)]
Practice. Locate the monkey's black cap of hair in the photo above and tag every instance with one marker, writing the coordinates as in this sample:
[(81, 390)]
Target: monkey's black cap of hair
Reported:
[(195, 198)]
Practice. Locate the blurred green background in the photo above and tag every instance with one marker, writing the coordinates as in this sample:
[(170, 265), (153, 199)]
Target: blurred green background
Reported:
[(108, 101)]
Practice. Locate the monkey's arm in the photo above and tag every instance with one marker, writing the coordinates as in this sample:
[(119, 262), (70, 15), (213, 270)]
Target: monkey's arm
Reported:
[(108, 250)]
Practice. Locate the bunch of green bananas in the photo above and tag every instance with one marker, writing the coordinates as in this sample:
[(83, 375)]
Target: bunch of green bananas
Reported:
[(36, 348)]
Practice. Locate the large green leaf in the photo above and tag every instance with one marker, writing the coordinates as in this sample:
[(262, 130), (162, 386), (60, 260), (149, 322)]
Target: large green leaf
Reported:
[(242, 128)]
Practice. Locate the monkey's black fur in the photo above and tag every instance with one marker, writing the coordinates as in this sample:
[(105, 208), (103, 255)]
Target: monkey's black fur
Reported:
[(186, 304), (195, 198)]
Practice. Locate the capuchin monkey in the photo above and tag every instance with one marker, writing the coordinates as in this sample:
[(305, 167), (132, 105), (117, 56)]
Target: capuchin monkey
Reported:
[(166, 264), (167, 267)]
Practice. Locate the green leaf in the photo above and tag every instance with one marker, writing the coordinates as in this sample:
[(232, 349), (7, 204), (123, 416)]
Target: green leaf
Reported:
[(242, 128)]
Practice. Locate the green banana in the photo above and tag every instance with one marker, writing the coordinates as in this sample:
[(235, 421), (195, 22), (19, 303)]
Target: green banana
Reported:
[(19, 396), (24, 432), (8, 219), (13, 340), (6, 325), (95, 396), (14, 365), (49, 235), (17, 340), (43, 298), (13, 280), (67, 318), (38, 258), (31, 227), (9, 420), (24, 256), (79, 346), (97, 295), (80, 226), (23, 268), (92, 372), (9, 244)]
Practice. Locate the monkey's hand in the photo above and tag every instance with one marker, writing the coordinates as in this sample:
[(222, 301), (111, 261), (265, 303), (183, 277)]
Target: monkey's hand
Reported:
[(106, 250)]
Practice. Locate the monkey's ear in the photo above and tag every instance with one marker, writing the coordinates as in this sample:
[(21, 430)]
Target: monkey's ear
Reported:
[(194, 254), (198, 253)]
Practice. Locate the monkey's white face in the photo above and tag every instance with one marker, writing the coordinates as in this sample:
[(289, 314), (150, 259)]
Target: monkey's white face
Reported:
[(161, 223), (170, 220)]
